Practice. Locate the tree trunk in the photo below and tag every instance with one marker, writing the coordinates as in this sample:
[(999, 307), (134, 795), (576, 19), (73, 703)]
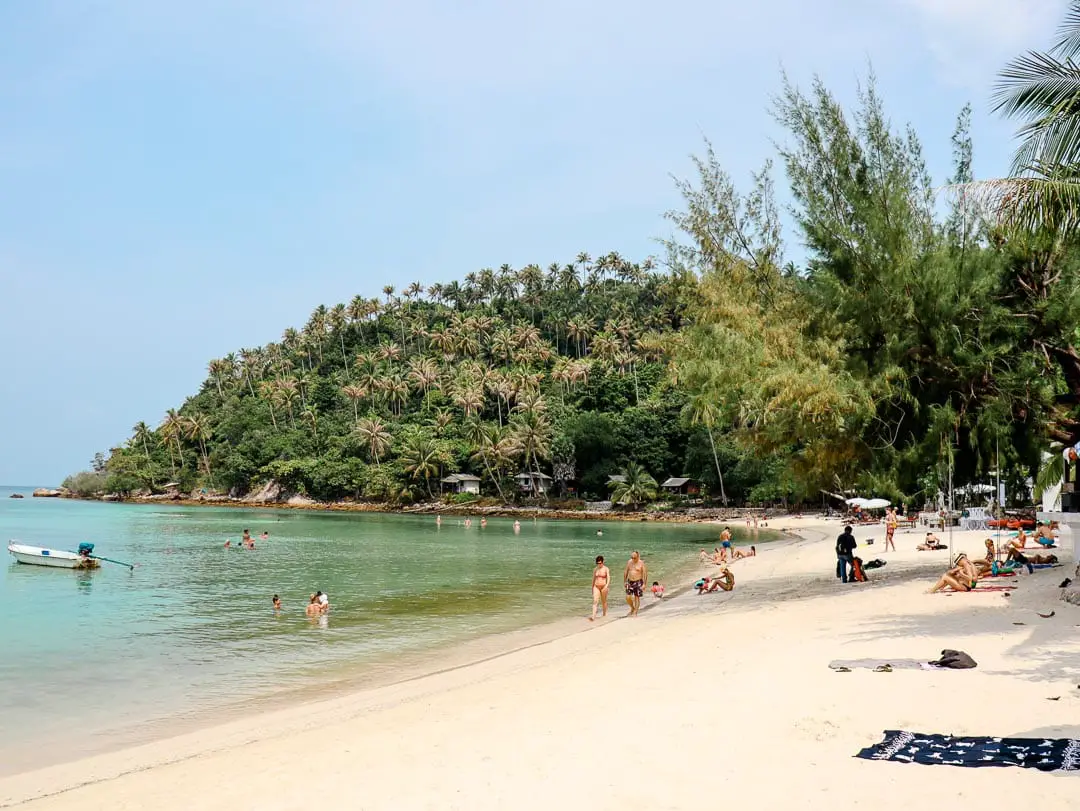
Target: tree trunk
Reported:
[(716, 459)]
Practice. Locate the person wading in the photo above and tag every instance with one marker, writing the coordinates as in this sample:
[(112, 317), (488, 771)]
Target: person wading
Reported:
[(845, 555)]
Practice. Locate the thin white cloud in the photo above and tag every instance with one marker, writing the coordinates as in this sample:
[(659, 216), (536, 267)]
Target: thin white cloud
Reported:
[(972, 39)]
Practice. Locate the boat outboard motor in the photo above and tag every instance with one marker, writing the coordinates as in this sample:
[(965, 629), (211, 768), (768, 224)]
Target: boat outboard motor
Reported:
[(86, 549)]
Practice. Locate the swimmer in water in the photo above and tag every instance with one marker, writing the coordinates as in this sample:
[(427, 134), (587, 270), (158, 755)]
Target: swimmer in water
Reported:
[(312, 609), (277, 603), (468, 523), (438, 520), (228, 544), (483, 523), (517, 526), (265, 536)]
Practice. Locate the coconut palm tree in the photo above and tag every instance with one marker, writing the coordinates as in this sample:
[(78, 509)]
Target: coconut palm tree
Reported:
[(198, 428), (421, 458), (636, 487), (424, 373), (375, 436), (311, 415), (703, 410), (267, 392), (337, 319), (532, 436), (172, 428), (141, 434), (354, 394), (496, 451)]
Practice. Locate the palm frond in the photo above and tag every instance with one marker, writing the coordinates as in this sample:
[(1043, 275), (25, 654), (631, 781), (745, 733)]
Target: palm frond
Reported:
[(1051, 472), (1068, 41), (1045, 91), (1028, 203)]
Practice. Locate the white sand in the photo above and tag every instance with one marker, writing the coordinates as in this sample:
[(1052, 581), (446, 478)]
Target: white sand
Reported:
[(713, 701)]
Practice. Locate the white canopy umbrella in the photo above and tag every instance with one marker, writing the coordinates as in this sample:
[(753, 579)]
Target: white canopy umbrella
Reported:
[(855, 502), (875, 504)]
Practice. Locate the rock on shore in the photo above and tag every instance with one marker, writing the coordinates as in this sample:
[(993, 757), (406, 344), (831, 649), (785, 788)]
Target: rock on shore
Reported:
[(45, 492)]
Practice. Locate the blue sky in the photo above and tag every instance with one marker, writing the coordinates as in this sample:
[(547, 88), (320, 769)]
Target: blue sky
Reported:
[(181, 179)]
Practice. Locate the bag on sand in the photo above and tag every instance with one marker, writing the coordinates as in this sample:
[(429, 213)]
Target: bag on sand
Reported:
[(956, 659), (857, 573)]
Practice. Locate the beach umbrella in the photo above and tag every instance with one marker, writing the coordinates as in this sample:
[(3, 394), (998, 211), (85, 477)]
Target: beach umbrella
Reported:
[(875, 504), (855, 502)]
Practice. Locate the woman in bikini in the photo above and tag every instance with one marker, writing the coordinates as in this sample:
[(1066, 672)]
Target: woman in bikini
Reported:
[(962, 577), (601, 579)]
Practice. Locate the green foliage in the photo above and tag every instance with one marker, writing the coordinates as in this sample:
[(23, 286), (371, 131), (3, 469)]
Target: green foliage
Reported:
[(636, 486), (86, 483)]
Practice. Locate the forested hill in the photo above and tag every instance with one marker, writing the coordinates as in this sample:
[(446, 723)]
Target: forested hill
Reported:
[(561, 371)]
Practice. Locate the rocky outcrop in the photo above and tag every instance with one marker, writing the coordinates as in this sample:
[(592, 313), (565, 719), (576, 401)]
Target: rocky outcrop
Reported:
[(270, 493), (300, 501), (16, 495), (44, 492)]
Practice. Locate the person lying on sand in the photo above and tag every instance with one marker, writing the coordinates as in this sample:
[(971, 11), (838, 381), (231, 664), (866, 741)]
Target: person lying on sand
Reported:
[(963, 576), (738, 554), (931, 544)]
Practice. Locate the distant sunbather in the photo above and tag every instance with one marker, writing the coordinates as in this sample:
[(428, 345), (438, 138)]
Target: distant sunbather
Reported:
[(963, 576), (739, 553), (931, 543)]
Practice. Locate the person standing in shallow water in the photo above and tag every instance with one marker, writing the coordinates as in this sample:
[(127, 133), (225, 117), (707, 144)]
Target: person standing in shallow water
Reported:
[(634, 581), (601, 581)]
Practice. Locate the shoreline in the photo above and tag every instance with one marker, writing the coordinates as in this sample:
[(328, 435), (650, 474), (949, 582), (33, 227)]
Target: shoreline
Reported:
[(523, 721), (691, 515)]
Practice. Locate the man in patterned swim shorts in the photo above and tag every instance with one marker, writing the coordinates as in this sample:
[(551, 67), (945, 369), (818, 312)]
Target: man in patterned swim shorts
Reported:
[(634, 581)]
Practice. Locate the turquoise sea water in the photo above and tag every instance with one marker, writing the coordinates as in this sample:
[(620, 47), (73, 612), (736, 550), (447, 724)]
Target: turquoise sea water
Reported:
[(87, 655)]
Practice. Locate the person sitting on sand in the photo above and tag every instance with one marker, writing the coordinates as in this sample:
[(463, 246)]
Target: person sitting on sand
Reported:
[(657, 590), (932, 543), (704, 556), (738, 554), (725, 582), (963, 576)]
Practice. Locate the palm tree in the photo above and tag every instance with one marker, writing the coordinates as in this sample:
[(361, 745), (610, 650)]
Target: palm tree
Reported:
[(532, 436), (198, 429), (337, 319), (420, 457), (375, 436), (702, 410), (355, 394), (311, 414), (424, 373), (495, 450), (172, 427), (141, 434), (1043, 90), (267, 391), (636, 487)]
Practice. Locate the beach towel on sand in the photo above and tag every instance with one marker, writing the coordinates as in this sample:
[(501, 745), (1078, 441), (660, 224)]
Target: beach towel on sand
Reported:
[(1044, 754), (875, 664)]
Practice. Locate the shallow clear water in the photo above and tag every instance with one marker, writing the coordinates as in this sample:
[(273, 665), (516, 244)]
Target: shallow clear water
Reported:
[(83, 654)]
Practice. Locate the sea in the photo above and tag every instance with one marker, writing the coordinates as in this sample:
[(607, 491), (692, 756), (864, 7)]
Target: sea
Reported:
[(98, 660)]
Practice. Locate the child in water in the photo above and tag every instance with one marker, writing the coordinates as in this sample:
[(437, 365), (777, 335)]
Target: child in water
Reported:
[(657, 590), (277, 603)]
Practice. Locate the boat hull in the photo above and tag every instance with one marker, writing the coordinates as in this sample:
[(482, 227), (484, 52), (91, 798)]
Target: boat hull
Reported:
[(51, 558)]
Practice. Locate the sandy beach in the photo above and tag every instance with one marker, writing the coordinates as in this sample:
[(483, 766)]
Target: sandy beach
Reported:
[(703, 700)]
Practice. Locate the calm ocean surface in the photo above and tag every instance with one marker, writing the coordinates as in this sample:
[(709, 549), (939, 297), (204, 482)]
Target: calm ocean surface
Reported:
[(87, 656)]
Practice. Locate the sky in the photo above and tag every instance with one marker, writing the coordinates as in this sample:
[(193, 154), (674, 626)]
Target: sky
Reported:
[(182, 179)]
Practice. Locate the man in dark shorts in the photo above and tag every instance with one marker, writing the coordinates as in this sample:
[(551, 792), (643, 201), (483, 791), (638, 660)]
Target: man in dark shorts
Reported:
[(634, 580), (845, 555)]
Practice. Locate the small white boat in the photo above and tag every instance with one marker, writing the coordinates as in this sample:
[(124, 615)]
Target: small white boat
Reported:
[(56, 558)]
